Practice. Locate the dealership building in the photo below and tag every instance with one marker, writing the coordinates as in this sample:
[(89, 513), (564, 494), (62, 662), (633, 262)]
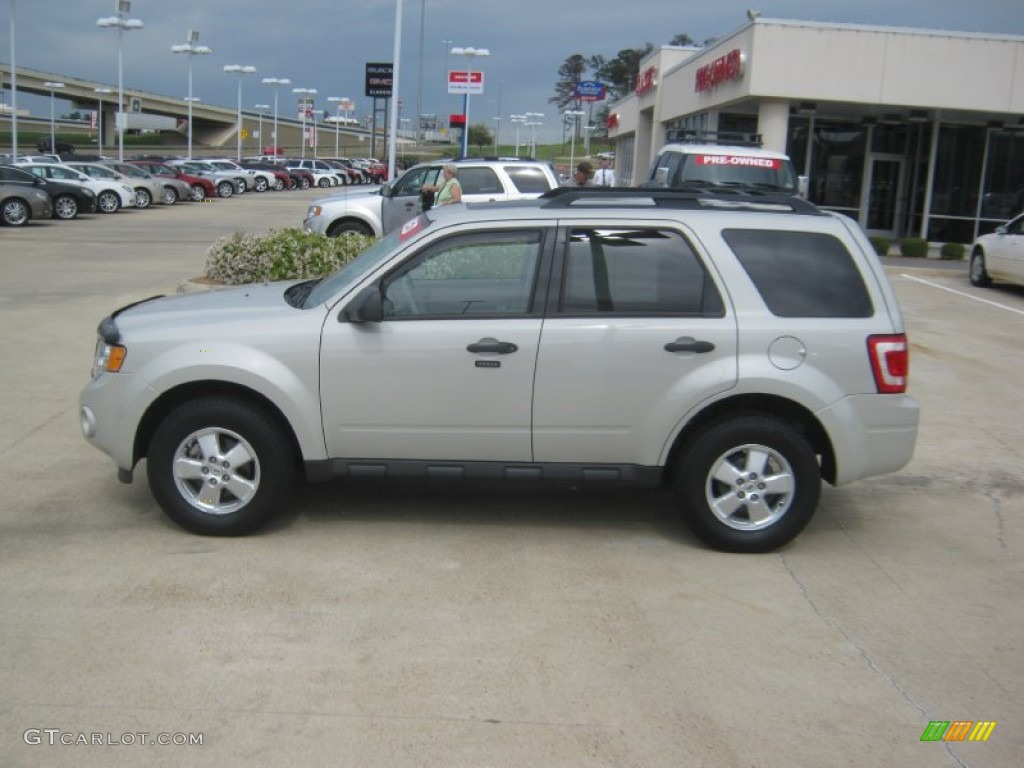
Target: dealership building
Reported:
[(913, 132)]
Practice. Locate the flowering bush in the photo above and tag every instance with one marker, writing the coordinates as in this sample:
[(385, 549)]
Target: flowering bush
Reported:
[(285, 254)]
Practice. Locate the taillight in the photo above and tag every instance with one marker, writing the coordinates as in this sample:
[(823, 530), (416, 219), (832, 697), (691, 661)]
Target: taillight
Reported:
[(890, 362)]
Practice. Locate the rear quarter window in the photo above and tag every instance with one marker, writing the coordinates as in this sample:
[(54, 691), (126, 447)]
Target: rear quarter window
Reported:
[(528, 180), (801, 274)]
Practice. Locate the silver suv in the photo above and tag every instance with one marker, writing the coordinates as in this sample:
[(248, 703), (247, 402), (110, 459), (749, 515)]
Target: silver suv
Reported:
[(741, 348), (379, 211)]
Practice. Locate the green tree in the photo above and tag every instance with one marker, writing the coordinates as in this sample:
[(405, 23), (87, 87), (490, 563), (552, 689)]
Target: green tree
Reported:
[(480, 136), (620, 73), (569, 76), (682, 39)]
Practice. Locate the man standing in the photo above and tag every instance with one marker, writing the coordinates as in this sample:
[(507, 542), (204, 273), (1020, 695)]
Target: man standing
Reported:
[(582, 176), (605, 176)]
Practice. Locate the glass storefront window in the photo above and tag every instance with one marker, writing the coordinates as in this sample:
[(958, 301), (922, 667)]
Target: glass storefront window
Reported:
[(1003, 197), (958, 171), (837, 164)]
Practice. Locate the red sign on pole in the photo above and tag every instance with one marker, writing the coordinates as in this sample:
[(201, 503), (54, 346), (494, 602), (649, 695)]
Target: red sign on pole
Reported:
[(466, 82)]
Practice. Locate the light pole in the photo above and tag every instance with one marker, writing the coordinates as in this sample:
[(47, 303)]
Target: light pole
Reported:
[(238, 70), (305, 94), (259, 131), (518, 120), (53, 87), (99, 120), (574, 115), (533, 133), (470, 53), (122, 8), (496, 127), (275, 82), (14, 85), (191, 49), (337, 100)]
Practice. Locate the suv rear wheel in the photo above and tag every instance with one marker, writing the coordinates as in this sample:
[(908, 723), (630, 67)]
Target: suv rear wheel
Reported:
[(220, 466), (748, 483)]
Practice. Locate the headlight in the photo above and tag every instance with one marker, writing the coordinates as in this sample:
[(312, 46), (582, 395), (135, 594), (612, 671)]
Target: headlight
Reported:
[(127, 189), (314, 210), (108, 358)]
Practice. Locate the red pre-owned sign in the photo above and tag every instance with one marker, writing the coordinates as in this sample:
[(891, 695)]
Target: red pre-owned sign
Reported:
[(755, 162)]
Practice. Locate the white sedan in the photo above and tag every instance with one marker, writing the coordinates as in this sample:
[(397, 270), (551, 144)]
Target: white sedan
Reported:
[(1000, 255), (111, 196)]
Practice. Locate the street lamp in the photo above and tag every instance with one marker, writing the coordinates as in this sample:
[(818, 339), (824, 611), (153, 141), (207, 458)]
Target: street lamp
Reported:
[(574, 116), (275, 82), (259, 131), (533, 133), (122, 8), (336, 100), (53, 87), (496, 128), (14, 86), (99, 121), (303, 93), (470, 53), (191, 49), (518, 120), (239, 70)]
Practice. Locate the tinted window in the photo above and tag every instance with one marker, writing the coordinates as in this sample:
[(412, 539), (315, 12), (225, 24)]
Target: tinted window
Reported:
[(528, 180), (801, 274), (636, 272), (480, 181), (13, 174), (411, 182), (488, 274)]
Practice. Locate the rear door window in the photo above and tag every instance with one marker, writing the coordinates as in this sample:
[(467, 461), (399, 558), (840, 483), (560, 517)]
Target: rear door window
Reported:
[(528, 180), (801, 274)]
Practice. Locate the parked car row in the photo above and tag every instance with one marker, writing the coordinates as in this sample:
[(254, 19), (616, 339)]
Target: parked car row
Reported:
[(61, 187)]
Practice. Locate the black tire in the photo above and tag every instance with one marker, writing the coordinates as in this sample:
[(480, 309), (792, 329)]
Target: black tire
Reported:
[(170, 196), (143, 199), (14, 212), (324, 182), (108, 201), (748, 483), (347, 226), (304, 183), (65, 207), (225, 189), (198, 194), (189, 470), (260, 184), (977, 272), (278, 185), (241, 186)]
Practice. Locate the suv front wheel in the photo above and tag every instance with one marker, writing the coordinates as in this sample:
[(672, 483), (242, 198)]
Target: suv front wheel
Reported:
[(220, 467), (748, 483)]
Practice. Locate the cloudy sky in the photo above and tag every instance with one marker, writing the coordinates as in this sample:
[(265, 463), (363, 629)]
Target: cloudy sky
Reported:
[(325, 44)]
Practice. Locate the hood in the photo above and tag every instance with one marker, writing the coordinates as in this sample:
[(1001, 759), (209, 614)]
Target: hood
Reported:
[(256, 304), (353, 197)]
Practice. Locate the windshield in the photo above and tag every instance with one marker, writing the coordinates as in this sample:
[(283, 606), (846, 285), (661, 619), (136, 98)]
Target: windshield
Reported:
[(365, 262), (729, 169)]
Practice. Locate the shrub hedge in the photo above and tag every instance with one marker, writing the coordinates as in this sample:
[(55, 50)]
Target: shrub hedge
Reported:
[(915, 247), (881, 244), (285, 254), (952, 252)]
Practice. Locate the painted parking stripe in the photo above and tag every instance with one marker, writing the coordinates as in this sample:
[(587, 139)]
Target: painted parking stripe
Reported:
[(965, 295)]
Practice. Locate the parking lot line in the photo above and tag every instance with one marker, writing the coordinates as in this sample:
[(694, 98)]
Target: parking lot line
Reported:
[(965, 295)]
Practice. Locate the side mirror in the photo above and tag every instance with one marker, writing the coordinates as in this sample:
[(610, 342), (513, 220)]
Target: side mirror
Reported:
[(366, 307), (1001, 229), (661, 177)]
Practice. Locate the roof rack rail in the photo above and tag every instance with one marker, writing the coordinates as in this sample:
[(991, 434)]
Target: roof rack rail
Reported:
[(731, 138), (692, 199)]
